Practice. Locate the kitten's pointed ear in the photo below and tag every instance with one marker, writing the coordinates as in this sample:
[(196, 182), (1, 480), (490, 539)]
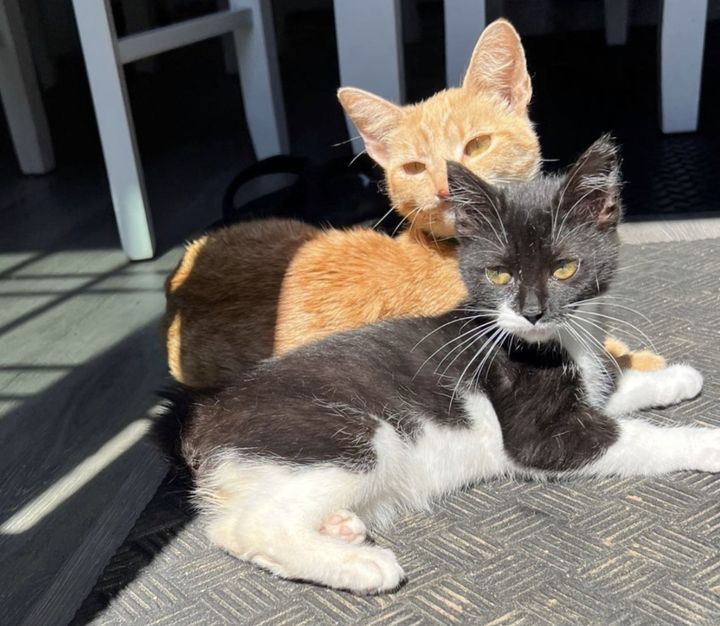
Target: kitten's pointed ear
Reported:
[(592, 185), (498, 66), (475, 203), (374, 118)]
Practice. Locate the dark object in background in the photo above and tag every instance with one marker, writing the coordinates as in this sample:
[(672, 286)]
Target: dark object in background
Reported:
[(331, 193)]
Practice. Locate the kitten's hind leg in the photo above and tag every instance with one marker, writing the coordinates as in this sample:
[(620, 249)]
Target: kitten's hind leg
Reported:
[(272, 516), (641, 390)]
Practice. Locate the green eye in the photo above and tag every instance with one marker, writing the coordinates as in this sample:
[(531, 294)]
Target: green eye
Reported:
[(498, 275), (414, 167), (566, 270), (477, 145)]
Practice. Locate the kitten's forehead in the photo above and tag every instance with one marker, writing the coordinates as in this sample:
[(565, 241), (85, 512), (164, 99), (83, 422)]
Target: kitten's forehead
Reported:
[(538, 195), (529, 208)]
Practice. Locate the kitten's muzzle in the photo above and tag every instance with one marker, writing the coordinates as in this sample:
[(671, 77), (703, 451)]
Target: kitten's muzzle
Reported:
[(533, 316)]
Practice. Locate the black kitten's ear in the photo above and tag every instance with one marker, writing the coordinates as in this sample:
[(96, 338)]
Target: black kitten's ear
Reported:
[(475, 202), (592, 186)]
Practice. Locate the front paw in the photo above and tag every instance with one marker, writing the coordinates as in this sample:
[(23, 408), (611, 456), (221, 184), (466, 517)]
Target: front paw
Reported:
[(681, 382), (708, 455)]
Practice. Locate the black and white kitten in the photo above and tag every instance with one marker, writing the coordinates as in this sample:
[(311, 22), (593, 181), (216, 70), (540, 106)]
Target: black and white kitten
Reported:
[(293, 462)]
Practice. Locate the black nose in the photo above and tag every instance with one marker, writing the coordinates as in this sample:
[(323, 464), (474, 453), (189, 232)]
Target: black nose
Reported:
[(533, 316)]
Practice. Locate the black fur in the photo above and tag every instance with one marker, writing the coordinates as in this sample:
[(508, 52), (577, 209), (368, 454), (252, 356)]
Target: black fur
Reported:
[(323, 402)]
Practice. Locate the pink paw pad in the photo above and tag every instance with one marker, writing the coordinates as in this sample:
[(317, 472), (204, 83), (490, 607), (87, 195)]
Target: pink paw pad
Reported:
[(344, 525)]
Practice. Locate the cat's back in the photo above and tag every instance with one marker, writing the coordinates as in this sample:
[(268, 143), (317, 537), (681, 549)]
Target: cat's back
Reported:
[(349, 380), (350, 278), (223, 261), (221, 300)]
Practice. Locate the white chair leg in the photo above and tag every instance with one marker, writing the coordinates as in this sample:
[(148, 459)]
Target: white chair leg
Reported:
[(682, 39), (117, 132), (616, 22), (370, 52), (464, 21), (21, 96), (260, 80)]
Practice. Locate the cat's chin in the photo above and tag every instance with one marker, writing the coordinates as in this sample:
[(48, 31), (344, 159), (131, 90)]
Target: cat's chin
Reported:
[(540, 333), (521, 328)]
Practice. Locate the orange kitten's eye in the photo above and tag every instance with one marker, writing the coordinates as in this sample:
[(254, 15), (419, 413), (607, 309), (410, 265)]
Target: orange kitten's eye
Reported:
[(477, 146), (414, 167)]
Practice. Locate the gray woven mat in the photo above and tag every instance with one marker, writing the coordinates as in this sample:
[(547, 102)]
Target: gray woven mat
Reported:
[(609, 552)]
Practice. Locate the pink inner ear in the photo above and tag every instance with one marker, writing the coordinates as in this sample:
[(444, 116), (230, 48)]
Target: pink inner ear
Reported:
[(607, 215), (376, 150)]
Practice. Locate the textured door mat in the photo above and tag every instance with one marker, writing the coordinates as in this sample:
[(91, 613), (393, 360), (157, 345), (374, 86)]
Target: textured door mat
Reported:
[(588, 551)]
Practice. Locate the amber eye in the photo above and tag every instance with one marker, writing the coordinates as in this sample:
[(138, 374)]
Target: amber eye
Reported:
[(498, 275), (566, 270), (477, 146), (414, 167)]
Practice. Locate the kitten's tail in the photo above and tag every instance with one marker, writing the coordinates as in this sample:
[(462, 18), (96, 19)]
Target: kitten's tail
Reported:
[(171, 415)]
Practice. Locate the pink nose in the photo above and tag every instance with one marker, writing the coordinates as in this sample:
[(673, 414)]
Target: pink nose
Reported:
[(442, 194)]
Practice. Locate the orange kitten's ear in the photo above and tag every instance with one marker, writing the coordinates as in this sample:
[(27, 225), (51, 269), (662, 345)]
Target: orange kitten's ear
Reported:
[(374, 118), (498, 66)]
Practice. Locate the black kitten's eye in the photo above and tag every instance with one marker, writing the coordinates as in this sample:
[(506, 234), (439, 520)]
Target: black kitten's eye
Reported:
[(498, 275), (566, 270)]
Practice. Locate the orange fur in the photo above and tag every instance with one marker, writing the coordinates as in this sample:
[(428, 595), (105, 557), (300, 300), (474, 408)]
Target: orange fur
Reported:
[(262, 288)]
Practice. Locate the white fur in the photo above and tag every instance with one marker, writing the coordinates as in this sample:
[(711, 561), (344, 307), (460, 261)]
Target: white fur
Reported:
[(645, 449), (442, 459), (518, 326), (271, 514), (642, 390)]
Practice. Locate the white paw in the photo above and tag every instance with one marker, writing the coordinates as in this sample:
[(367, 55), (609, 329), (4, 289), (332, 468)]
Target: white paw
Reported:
[(344, 525), (708, 450), (680, 382), (369, 569), (643, 390)]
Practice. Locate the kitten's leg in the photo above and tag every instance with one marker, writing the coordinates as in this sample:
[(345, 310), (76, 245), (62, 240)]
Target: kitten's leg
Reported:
[(641, 390), (271, 515), (644, 449)]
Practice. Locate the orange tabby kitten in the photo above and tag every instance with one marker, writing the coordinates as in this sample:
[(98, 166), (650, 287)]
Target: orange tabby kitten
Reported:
[(261, 288)]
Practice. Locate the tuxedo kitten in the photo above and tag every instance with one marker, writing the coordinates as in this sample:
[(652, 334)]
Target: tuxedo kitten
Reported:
[(293, 462)]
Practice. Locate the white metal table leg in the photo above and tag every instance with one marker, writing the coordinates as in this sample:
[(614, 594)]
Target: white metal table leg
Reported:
[(21, 95), (616, 22), (370, 51), (464, 21), (260, 80), (117, 132), (682, 39)]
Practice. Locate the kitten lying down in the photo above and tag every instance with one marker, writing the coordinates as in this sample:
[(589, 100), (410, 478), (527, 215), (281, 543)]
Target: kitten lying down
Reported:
[(293, 462)]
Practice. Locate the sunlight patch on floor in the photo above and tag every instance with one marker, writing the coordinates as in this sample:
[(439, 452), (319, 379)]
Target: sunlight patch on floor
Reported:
[(60, 491)]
